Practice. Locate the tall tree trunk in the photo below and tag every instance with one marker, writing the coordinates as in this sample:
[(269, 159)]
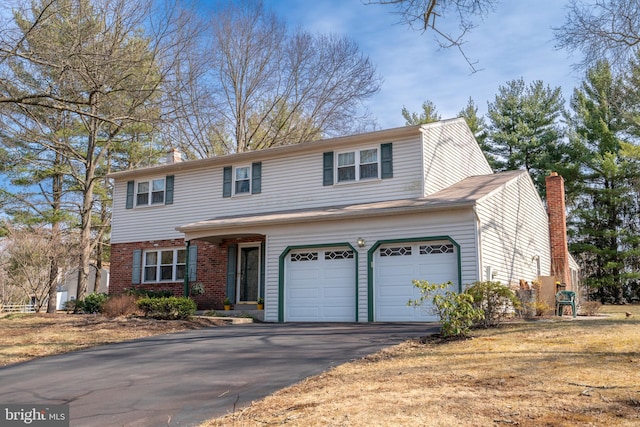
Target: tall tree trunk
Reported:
[(56, 203), (86, 209)]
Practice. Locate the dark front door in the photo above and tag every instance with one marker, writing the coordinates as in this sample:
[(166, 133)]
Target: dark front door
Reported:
[(249, 274)]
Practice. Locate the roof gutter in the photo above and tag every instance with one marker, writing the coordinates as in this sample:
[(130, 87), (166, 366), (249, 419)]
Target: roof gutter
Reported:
[(311, 216), (281, 151)]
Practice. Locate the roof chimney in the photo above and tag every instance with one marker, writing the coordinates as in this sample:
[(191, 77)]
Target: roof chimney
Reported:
[(174, 156), (558, 228)]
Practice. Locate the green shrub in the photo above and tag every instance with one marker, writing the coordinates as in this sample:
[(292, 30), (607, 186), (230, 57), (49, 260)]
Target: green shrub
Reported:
[(455, 311), (168, 307), (164, 293), (494, 299), (93, 303)]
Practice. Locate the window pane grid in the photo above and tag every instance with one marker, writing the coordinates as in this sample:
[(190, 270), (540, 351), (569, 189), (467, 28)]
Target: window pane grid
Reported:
[(165, 265), (347, 173), (346, 159), (369, 171), (243, 180), (150, 193), (357, 165)]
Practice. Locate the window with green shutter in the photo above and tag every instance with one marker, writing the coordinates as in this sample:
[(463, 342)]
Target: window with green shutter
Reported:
[(242, 180), (156, 191)]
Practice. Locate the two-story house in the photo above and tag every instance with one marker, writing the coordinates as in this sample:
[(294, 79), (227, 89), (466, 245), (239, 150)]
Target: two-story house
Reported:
[(332, 230)]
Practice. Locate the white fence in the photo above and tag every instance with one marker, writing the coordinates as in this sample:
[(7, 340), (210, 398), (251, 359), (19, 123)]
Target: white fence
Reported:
[(17, 308)]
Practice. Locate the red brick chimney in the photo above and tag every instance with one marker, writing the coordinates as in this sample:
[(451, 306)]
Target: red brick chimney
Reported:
[(558, 229)]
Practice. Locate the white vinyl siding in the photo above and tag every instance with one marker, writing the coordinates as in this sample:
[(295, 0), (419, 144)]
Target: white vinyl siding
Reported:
[(456, 224), (450, 154), (514, 232), (287, 183)]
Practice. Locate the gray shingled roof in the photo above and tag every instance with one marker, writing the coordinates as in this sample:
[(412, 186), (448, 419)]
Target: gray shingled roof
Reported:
[(465, 193)]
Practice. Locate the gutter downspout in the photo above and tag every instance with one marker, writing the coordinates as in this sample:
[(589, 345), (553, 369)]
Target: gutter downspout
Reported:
[(478, 226)]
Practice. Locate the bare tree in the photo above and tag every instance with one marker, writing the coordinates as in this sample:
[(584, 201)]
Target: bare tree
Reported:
[(104, 62), (601, 29), (271, 87), (433, 15), (29, 252)]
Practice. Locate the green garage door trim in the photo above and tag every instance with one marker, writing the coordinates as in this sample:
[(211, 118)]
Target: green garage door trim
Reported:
[(281, 277), (374, 248)]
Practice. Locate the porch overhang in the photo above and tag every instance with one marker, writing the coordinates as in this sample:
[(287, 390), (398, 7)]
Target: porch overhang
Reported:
[(216, 229)]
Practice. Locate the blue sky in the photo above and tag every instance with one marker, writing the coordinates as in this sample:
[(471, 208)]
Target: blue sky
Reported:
[(514, 41)]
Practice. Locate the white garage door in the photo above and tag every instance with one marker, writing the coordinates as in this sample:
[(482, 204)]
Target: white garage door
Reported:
[(320, 286), (397, 265)]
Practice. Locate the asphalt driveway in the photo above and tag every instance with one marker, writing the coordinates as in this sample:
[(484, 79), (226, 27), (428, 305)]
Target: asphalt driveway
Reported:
[(184, 378)]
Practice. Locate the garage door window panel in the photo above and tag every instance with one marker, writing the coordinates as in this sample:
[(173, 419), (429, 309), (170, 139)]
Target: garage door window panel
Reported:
[(329, 255), (436, 249), (304, 256), (396, 251)]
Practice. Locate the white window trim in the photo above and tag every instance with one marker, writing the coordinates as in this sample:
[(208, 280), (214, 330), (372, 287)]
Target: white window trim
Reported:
[(159, 264), (235, 180), (357, 165), (150, 192)]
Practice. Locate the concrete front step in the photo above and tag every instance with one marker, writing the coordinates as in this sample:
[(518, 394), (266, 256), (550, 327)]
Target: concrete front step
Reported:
[(238, 315)]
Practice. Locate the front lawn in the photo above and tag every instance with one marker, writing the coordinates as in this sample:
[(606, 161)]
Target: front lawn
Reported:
[(551, 372)]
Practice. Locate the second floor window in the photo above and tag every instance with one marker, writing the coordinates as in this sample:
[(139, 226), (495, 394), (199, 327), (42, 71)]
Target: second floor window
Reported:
[(357, 165), (243, 180), (150, 192)]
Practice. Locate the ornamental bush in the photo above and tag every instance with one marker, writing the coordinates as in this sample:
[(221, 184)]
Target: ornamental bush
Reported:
[(167, 307), (494, 299), (149, 293), (93, 303), (455, 311)]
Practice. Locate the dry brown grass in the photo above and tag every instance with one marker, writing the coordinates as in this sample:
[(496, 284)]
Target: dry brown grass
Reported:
[(28, 336), (546, 373)]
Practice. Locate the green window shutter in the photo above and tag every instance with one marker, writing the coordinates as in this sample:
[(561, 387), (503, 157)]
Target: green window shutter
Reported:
[(168, 192), (193, 263), (256, 178), (327, 168), (386, 158), (136, 270), (232, 256), (263, 250), (227, 181), (130, 189)]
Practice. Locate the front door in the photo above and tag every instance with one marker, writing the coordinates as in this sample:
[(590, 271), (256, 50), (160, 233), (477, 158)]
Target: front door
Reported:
[(249, 274)]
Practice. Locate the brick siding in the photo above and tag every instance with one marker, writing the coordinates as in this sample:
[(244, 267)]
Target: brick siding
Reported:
[(558, 228), (211, 269)]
